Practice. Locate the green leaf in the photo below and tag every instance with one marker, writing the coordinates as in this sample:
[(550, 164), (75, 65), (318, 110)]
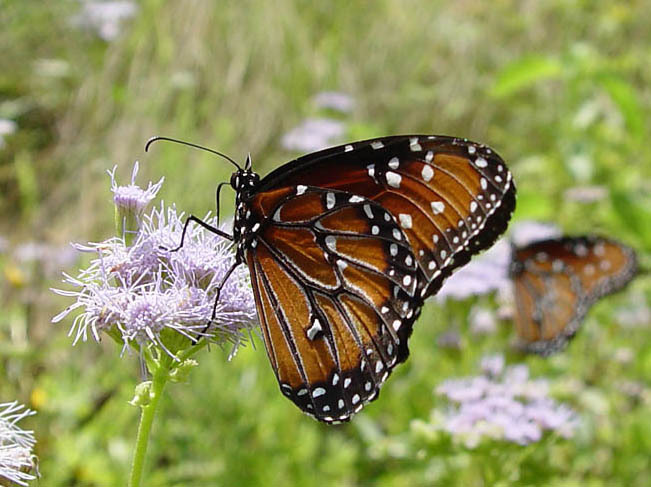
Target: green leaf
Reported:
[(524, 73), (624, 96), (633, 215)]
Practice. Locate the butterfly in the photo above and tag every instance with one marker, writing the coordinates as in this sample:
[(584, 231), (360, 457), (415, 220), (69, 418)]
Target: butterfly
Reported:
[(557, 280), (345, 244)]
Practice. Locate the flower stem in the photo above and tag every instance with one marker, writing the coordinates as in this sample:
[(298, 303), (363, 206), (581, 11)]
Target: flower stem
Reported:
[(159, 379)]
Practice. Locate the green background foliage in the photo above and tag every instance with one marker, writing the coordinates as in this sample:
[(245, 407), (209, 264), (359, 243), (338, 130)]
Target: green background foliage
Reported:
[(561, 89)]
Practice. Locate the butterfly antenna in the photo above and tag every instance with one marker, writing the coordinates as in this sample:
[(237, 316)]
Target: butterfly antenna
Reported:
[(169, 139)]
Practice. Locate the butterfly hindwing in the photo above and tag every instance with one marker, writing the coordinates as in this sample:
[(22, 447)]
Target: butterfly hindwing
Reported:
[(335, 280)]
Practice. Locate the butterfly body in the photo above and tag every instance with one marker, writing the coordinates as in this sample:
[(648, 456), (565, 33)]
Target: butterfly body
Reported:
[(344, 245)]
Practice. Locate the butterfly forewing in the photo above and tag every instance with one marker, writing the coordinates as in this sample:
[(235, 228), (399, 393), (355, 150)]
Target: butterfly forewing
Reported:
[(557, 280), (451, 197), (336, 284)]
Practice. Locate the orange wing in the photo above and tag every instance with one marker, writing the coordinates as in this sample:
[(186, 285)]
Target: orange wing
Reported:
[(556, 281), (335, 283), (451, 197)]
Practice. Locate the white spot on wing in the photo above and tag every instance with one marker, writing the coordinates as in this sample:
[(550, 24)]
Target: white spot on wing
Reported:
[(438, 207), (314, 329), (330, 200), (300, 189), (348, 148), (427, 173), (481, 162), (405, 220), (414, 145), (377, 144), (331, 242), (394, 163), (367, 210), (393, 179), (356, 199)]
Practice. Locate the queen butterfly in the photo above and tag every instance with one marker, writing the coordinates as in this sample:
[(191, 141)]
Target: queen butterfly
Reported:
[(557, 280), (343, 246)]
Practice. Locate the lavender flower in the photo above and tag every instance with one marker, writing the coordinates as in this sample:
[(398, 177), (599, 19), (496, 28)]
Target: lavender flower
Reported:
[(105, 17), (335, 100), (16, 458), (145, 294), (503, 404), (313, 134), (131, 201)]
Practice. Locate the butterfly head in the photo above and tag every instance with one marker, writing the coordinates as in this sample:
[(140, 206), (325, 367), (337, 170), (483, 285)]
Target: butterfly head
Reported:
[(243, 181)]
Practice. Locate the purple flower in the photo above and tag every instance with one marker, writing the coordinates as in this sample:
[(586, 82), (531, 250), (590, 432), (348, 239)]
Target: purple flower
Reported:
[(16, 445), (313, 134), (335, 100), (145, 294), (503, 403), (131, 201)]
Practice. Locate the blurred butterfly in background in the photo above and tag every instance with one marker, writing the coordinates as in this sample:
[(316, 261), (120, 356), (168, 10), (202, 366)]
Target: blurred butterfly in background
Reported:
[(557, 280), (344, 245)]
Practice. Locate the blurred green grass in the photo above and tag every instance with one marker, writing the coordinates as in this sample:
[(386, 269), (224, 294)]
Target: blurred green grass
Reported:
[(561, 89)]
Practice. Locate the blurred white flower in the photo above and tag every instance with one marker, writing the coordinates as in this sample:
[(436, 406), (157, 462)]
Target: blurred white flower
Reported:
[(51, 68), (106, 18), (635, 313), (335, 100), (7, 127), (313, 134), (482, 321), (586, 194), (17, 461)]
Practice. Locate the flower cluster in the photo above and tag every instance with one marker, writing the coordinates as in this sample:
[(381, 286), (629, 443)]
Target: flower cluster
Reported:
[(504, 404), (16, 458), (147, 291)]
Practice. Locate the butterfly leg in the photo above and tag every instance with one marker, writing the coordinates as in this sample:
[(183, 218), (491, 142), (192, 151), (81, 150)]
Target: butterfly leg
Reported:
[(219, 188), (219, 290), (205, 225)]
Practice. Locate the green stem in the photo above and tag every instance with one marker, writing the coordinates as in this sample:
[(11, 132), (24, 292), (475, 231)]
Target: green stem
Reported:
[(159, 379)]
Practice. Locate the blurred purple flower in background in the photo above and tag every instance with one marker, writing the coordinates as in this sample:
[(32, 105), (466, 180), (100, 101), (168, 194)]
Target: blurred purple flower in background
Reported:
[(313, 134), (502, 404), (334, 100), (17, 460), (142, 293), (105, 18)]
